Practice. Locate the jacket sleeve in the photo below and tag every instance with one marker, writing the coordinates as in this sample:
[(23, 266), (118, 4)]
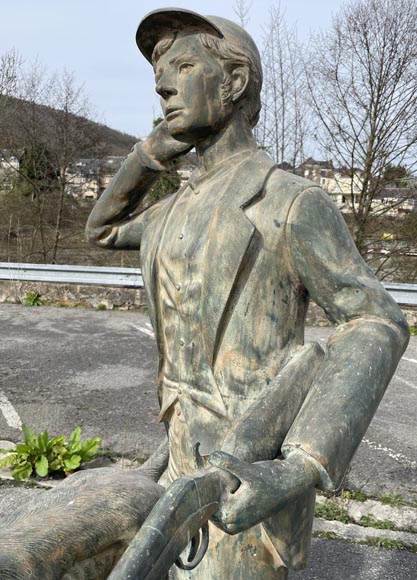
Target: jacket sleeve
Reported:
[(112, 223), (364, 351)]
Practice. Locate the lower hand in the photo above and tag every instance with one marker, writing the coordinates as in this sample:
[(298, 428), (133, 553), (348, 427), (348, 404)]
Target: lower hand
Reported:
[(265, 487)]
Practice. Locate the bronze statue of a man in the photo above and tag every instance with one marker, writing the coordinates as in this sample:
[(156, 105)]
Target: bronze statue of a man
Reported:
[(229, 264)]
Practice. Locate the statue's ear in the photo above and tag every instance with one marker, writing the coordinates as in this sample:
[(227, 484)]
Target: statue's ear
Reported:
[(240, 79)]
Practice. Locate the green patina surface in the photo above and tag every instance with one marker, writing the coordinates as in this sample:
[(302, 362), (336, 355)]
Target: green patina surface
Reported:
[(229, 263)]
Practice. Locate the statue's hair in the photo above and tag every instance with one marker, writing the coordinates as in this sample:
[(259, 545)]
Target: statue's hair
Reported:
[(227, 52)]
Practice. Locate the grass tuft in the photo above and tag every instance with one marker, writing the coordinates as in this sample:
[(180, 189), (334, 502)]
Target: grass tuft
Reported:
[(371, 522), (332, 511), (354, 495), (392, 499)]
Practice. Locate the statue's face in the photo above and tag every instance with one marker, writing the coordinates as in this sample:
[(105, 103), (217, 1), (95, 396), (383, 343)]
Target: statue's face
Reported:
[(189, 80)]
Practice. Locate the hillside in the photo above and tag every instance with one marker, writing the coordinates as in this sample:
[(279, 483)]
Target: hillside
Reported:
[(116, 142), (21, 120), (38, 222)]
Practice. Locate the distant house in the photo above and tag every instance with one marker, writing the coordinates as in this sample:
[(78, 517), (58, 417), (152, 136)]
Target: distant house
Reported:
[(82, 186), (342, 185), (397, 200), (9, 165), (87, 178), (186, 166), (286, 166), (112, 162), (314, 170)]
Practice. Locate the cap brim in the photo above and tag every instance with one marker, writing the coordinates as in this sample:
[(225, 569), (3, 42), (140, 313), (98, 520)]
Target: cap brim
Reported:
[(157, 23)]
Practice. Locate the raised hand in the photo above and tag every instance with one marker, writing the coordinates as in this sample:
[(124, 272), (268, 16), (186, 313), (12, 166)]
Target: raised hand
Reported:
[(161, 147)]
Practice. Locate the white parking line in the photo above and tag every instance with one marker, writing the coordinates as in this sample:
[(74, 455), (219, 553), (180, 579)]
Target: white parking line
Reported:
[(413, 360), (391, 453), (405, 382), (9, 412), (143, 330)]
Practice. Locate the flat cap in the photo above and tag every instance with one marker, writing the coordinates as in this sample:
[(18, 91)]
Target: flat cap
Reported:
[(159, 23)]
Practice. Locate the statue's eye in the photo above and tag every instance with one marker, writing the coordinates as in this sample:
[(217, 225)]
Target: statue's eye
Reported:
[(185, 66)]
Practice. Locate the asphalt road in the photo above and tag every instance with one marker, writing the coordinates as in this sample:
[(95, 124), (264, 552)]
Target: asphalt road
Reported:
[(334, 560), (62, 367)]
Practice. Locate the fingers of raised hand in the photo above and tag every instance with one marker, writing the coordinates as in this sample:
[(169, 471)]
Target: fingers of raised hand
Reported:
[(161, 146)]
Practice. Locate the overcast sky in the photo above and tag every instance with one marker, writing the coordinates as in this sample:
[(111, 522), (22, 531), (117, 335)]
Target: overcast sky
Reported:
[(96, 40)]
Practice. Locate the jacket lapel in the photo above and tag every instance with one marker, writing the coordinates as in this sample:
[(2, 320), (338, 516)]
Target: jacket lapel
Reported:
[(231, 233)]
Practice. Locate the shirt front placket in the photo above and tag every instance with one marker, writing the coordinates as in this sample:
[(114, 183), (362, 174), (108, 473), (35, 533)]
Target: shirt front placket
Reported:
[(180, 266)]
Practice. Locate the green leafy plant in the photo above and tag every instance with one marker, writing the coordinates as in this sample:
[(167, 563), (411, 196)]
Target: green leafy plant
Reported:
[(387, 543), (354, 495), (413, 330), (46, 455), (392, 499), (371, 522), (32, 299), (326, 536), (330, 510)]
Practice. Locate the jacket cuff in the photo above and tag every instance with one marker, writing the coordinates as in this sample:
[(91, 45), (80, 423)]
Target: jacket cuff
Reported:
[(326, 483)]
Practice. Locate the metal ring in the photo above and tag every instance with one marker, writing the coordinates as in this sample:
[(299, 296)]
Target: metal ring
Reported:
[(199, 545)]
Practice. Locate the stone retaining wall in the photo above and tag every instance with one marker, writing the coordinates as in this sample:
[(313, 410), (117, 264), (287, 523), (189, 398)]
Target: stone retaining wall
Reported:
[(123, 298), (74, 294)]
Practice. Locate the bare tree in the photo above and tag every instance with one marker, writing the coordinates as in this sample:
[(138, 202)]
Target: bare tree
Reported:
[(50, 130), (242, 8), (283, 124), (10, 64), (69, 133), (362, 78)]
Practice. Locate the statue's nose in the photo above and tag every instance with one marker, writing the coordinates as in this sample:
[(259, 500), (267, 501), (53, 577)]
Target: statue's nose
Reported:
[(165, 90)]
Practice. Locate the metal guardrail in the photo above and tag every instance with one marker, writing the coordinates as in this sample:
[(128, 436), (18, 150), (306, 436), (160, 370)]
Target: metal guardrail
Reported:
[(403, 293), (99, 276), (130, 278)]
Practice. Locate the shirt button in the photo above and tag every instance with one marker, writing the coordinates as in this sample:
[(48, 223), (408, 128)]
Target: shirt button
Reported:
[(182, 342), (181, 236), (180, 393), (178, 286)]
